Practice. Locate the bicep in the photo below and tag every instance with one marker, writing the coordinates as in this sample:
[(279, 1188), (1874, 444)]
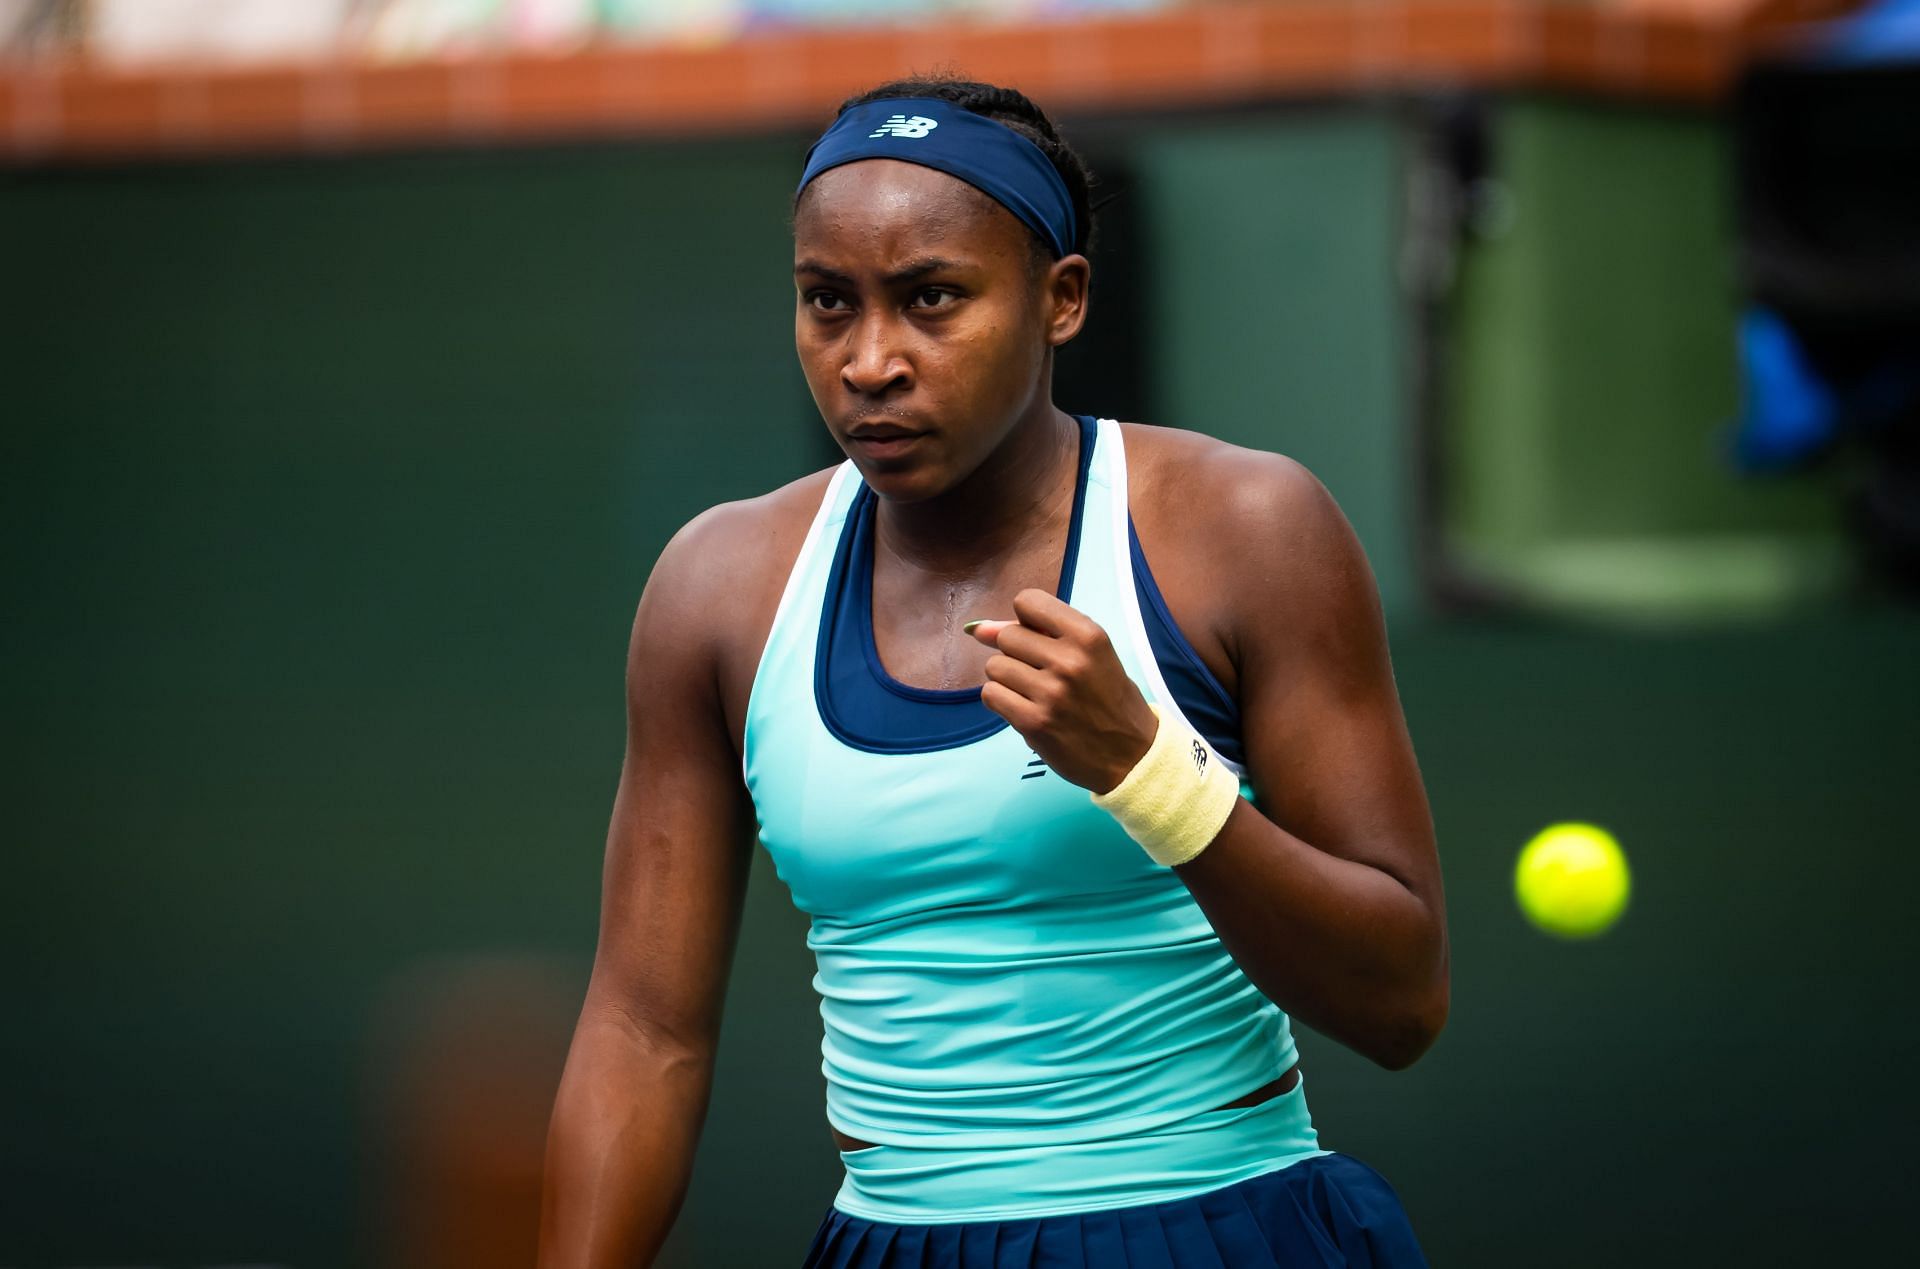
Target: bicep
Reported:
[(1327, 743), (679, 842)]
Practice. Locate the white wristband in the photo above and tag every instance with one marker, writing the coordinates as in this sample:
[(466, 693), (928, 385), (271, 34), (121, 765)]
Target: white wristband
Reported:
[(1176, 797)]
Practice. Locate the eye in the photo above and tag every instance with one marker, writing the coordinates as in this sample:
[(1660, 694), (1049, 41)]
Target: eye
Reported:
[(923, 292), (813, 297)]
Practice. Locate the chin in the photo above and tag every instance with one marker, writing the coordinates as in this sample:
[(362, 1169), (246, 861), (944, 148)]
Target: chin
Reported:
[(907, 476), (907, 480)]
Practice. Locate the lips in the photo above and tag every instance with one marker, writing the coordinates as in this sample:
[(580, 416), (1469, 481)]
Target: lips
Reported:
[(883, 440), (882, 423)]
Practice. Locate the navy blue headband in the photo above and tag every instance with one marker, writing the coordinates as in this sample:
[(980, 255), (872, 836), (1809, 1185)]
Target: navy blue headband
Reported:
[(987, 155)]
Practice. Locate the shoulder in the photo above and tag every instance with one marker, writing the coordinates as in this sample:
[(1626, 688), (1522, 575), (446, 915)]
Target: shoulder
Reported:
[(1268, 505), (713, 590), (1259, 521), (731, 543)]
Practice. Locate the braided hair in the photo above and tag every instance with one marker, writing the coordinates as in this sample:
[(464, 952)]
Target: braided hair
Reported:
[(1012, 108)]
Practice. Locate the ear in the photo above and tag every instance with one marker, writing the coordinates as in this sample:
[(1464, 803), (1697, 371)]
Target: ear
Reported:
[(1064, 290)]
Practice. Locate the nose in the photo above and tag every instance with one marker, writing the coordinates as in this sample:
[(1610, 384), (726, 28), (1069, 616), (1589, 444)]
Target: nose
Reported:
[(874, 363)]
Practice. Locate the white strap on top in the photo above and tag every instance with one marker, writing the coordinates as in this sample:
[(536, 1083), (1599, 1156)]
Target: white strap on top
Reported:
[(797, 577), (1113, 446), (811, 543)]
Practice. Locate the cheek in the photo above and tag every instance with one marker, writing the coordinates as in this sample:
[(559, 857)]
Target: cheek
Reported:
[(1009, 351), (814, 354)]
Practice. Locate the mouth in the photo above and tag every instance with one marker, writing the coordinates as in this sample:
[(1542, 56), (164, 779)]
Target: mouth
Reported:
[(883, 440)]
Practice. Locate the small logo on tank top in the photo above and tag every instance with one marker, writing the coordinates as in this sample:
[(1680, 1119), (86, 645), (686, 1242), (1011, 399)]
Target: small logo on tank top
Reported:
[(1036, 768), (1199, 757), (905, 126)]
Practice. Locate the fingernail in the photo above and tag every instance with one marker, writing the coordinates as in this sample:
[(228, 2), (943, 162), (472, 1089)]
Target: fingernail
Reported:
[(968, 628)]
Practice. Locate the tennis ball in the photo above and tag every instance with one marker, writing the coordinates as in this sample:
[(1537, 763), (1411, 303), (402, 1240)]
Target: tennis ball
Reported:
[(1572, 880)]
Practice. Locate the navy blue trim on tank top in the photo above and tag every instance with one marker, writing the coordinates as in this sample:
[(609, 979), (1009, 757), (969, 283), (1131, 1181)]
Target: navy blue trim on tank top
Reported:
[(1199, 694), (866, 708)]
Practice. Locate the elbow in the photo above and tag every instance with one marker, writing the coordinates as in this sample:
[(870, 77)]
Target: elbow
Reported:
[(1410, 1030), (1417, 1013)]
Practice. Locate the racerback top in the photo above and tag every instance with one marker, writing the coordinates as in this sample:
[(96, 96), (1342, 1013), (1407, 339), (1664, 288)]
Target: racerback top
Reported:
[(1026, 1013)]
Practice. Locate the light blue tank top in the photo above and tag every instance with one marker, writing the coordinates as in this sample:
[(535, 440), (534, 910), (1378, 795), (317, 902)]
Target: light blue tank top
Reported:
[(1026, 1013)]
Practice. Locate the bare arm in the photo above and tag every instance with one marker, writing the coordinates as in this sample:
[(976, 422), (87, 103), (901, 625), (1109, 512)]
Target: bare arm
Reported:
[(634, 1095), (1328, 894)]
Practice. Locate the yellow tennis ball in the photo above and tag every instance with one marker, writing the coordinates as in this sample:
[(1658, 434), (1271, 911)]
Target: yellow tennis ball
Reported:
[(1572, 880)]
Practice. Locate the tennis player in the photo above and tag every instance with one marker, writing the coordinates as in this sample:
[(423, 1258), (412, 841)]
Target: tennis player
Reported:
[(1077, 835)]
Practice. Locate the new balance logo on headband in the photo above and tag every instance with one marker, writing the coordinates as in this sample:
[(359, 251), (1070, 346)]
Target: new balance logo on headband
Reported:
[(905, 126), (985, 153)]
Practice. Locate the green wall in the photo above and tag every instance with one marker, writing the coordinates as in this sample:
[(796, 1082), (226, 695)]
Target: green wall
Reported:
[(1593, 377), (328, 488), (1275, 309)]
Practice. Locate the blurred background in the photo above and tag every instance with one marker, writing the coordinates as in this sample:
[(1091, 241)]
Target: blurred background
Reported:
[(357, 359)]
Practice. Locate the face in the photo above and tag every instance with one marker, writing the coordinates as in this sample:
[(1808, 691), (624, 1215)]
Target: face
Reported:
[(922, 325)]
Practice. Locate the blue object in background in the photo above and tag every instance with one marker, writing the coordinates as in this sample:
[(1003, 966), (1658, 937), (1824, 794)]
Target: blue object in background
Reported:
[(1885, 32), (1789, 412)]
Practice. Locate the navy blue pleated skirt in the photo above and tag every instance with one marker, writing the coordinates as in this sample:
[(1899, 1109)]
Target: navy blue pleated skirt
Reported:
[(1330, 1210)]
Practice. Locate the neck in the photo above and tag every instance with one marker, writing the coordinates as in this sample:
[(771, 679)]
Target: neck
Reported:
[(1016, 492)]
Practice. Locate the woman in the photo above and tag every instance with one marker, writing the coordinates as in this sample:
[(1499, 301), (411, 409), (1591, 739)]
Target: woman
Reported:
[(1001, 762)]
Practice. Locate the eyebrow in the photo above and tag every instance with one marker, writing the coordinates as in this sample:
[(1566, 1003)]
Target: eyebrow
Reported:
[(916, 269)]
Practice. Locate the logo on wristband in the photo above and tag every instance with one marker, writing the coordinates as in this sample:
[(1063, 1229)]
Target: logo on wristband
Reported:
[(1199, 757)]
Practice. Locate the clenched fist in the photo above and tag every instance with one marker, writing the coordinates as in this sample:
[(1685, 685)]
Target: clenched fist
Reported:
[(1057, 679)]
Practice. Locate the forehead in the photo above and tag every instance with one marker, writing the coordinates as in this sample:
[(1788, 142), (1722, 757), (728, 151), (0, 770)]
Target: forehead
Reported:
[(883, 207)]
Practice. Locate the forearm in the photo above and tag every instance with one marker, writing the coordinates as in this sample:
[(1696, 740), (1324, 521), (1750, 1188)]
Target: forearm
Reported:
[(1356, 950), (620, 1147), (1345, 947)]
